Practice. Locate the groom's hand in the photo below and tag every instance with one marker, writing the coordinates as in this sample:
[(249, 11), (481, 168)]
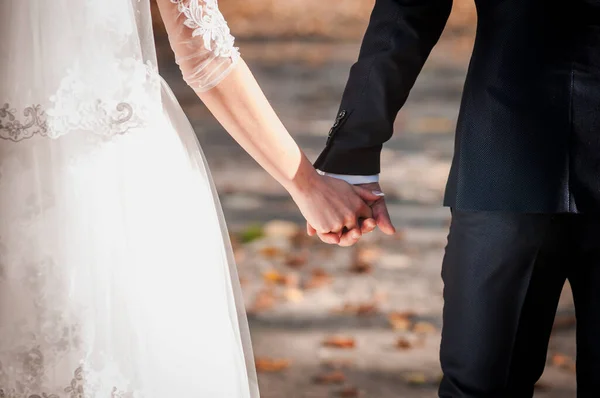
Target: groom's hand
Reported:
[(380, 211), (380, 218)]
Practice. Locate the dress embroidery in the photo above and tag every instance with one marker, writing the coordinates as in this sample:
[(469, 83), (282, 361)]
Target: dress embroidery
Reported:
[(128, 99), (33, 122), (204, 17)]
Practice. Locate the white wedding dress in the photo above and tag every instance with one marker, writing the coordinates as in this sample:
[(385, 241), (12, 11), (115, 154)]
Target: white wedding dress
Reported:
[(116, 275)]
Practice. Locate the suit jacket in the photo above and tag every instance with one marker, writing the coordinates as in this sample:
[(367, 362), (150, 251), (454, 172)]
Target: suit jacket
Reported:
[(528, 132)]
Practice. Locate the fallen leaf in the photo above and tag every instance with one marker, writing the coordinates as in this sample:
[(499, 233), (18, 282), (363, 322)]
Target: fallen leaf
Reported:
[(416, 379), (424, 328), (363, 309), (270, 251), (368, 254), (340, 342), (349, 392), (264, 300), (403, 344), (563, 362), (364, 258), (318, 278), (296, 260), (361, 267), (275, 277), (335, 377), (272, 276), (294, 295), (401, 320), (271, 365)]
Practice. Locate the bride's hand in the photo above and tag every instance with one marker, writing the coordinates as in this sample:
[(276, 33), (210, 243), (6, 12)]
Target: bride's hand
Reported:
[(331, 205)]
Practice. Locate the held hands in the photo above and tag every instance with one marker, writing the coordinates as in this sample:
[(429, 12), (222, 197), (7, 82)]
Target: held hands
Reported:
[(340, 213)]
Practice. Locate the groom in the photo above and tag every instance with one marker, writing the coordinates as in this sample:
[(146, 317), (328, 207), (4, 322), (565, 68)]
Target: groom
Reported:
[(524, 186)]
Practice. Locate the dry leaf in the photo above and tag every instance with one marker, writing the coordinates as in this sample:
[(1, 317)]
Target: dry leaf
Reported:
[(296, 260), (563, 362), (368, 254), (401, 320), (369, 308), (294, 295), (270, 251), (264, 300), (340, 342), (416, 379), (318, 278), (364, 258), (349, 392), (275, 277), (361, 267), (424, 328), (335, 377), (403, 344), (271, 365)]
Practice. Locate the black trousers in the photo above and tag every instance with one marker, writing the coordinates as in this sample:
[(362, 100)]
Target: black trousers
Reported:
[(503, 274)]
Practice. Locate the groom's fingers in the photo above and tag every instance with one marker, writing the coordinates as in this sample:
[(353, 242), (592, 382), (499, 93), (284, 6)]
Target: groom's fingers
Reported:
[(367, 195), (382, 216)]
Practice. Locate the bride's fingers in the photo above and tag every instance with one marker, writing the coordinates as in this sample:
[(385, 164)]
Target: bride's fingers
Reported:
[(368, 225), (350, 237), (331, 238), (310, 230)]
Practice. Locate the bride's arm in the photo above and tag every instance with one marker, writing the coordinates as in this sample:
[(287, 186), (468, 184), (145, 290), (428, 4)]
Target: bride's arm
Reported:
[(211, 65)]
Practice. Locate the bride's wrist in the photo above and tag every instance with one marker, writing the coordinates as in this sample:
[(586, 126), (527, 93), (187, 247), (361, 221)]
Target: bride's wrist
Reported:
[(304, 180)]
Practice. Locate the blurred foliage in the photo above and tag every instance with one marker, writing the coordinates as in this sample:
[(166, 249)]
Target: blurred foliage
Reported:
[(334, 19), (251, 233)]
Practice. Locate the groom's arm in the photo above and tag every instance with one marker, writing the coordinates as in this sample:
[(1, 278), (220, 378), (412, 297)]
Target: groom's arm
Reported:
[(399, 38)]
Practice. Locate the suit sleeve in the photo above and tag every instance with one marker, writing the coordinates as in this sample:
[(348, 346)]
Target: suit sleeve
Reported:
[(398, 40)]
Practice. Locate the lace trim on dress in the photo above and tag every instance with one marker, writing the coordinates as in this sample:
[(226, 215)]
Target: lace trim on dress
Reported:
[(204, 17), (127, 99), (33, 122)]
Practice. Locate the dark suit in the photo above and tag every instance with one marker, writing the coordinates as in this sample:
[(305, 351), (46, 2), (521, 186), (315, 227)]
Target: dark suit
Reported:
[(527, 151)]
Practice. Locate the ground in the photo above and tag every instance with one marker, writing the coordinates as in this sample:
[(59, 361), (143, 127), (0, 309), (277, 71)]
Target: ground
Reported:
[(364, 321)]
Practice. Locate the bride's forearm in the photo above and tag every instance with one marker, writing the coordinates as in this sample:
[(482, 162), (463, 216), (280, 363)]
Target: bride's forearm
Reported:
[(240, 106)]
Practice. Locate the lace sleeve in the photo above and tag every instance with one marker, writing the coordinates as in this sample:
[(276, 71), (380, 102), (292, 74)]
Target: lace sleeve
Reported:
[(203, 45)]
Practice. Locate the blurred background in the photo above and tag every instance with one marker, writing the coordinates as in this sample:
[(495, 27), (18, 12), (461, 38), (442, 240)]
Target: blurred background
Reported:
[(344, 322)]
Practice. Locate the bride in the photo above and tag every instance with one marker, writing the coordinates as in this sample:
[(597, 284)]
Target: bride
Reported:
[(116, 276)]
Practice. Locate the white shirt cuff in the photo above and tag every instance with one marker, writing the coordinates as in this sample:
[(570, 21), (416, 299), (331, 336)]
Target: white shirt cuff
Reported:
[(352, 179)]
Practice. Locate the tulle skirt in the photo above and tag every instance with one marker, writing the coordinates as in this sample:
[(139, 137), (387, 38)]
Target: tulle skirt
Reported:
[(116, 274)]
